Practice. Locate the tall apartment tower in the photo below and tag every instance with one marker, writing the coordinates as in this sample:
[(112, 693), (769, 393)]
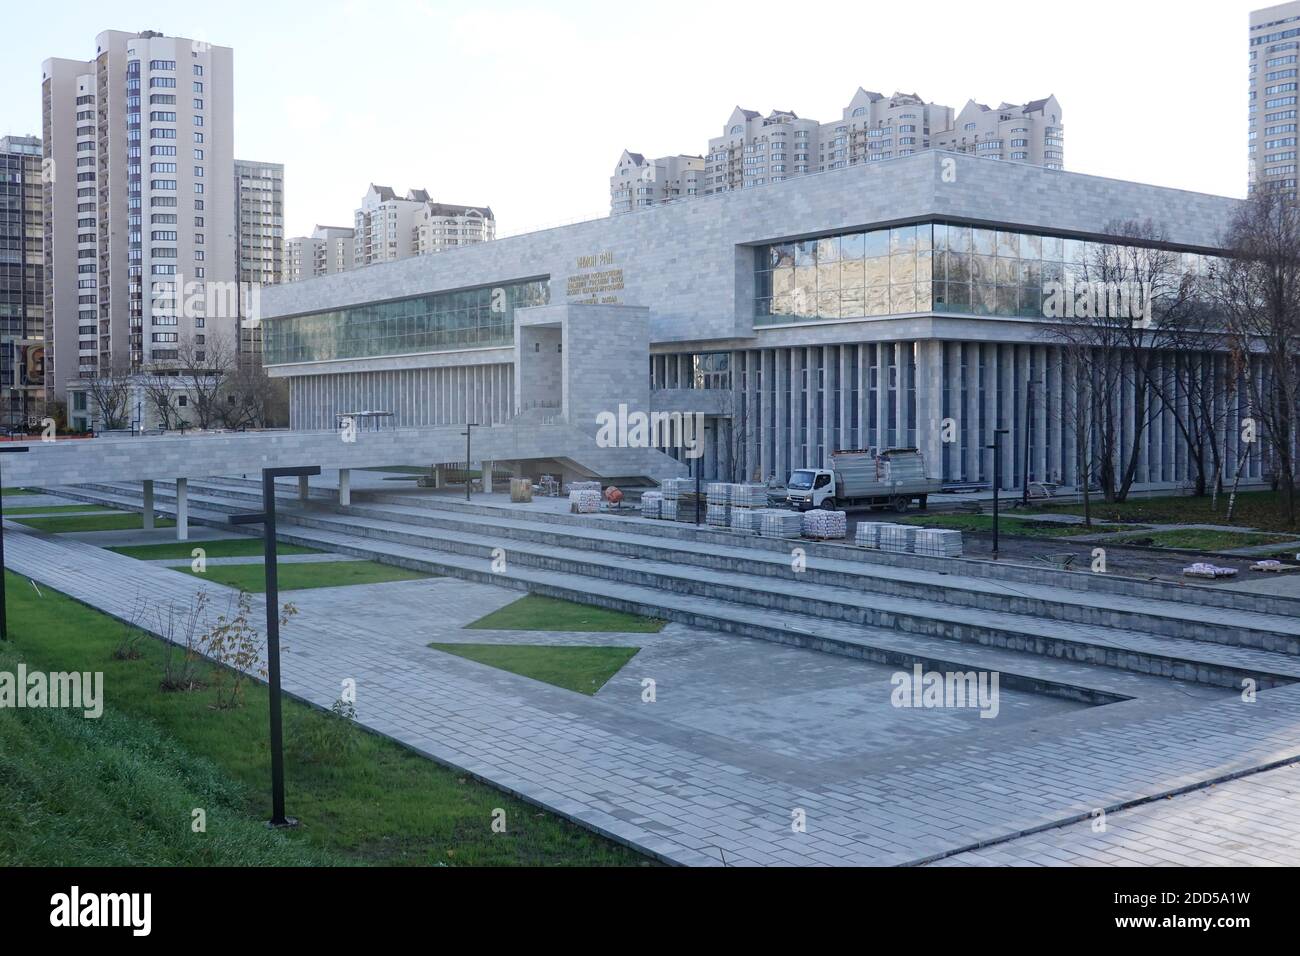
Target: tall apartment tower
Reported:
[(22, 281), (328, 249), (1274, 48), (755, 149), (259, 223), (1031, 133), (389, 226), (259, 215), (638, 182), (139, 204)]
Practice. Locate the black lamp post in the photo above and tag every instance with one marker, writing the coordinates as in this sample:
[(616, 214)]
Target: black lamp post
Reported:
[(466, 433), (996, 448), (4, 614), (267, 519), (1024, 474)]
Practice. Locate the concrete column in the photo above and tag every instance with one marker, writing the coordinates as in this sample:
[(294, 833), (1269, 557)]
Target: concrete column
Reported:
[(863, 438), (779, 455), (345, 487), (929, 404), (486, 468), (147, 513), (439, 476), (303, 488), (182, 509)]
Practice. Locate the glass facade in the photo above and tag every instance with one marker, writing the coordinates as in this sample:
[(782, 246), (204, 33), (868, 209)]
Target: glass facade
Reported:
[(939, 267), (467, 318)]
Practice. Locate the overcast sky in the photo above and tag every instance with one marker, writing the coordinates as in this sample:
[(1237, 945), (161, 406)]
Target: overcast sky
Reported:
[(526, 107)]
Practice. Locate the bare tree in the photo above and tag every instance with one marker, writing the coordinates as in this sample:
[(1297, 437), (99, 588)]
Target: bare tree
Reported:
[(1257, 288), (1115, 314), (160, 390), (203, 363), (250, 398), (110, 395)]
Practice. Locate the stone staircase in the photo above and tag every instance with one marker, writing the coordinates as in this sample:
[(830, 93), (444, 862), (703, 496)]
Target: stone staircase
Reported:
[(1095, 638)]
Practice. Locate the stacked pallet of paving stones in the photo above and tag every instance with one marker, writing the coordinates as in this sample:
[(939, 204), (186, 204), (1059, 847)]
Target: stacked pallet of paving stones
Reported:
[(584, 501), (718, 499), (748, 496), (744, 520), (867, 534), (583, 486), (938, 543), (776, 523), (652, 504), (821, 525), (897, 537)]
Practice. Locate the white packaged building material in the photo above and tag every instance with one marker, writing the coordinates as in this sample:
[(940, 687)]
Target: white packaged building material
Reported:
[(668, 509), (749, 496), (718, 493), (825, 525), (744, 519), (897, 537), (718, 515), (775, 523), (938, 543), (652, 503), (584, 502)]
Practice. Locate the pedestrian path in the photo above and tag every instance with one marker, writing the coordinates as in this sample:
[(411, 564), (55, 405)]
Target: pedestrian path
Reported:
[(690, 796)]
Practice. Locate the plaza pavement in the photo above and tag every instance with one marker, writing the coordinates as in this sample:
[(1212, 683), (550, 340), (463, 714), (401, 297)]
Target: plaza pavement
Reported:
[(742, 735)]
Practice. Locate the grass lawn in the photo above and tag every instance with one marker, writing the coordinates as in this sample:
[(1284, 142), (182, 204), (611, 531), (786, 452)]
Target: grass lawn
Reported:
[(293, 577), (55, 509), (111, 521), (1009, 525), (537, 613), (580, 668), (120, 791), (1195, 539), (1263, 510), (360, 797), (7, 492), (243, 547)]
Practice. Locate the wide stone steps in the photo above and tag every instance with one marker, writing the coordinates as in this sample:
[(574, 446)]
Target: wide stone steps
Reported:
[(1220, 625), (815, 615)]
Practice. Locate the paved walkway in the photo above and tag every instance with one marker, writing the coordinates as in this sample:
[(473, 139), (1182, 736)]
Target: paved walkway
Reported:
[(690, 794), (1252, 821)]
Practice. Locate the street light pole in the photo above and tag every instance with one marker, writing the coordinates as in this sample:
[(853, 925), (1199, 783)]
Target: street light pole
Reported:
[(267, 519), (1024, 474), (997, 482), (466, 433), (4, 613)]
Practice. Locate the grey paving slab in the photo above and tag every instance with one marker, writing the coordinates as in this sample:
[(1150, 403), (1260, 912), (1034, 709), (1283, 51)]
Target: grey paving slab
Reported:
[(645, 778)]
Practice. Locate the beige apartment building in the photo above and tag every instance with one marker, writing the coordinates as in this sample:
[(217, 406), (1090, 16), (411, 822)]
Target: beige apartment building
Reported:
[(756, 149), (388, 227), (327, 250), (139, 203), (1274, 48), (638, 182)]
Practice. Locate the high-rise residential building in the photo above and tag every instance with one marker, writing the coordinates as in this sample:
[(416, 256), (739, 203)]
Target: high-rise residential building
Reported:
[(755, 149), (439, 226), (259, 219), (1274, 47), (389, 226), (22, 281), (328, 249), (638, 182), (139, 200)]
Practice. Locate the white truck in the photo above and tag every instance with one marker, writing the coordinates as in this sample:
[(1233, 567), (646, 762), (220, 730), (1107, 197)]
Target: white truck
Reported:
[(863, 479)]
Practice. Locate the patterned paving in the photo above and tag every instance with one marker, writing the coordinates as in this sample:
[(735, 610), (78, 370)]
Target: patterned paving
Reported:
[(692, 784)]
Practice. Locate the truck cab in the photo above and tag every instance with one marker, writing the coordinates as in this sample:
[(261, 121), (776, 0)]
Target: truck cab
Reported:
[(811, 488)]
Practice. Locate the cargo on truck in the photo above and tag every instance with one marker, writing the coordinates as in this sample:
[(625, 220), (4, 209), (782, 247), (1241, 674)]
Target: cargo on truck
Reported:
[(862, 478)]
